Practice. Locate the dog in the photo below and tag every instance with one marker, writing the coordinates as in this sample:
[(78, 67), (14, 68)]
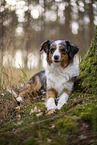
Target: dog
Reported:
[(58, 78)]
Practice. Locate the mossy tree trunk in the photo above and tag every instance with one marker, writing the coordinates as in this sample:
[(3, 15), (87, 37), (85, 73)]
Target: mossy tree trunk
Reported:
[(88, 69)]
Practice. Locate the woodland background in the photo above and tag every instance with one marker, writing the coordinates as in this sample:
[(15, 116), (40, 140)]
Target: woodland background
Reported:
[(25, 24)]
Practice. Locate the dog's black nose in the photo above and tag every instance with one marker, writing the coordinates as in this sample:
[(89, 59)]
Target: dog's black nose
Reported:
[(56, 57)]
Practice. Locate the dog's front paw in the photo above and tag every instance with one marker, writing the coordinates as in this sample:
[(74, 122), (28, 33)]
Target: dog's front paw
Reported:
[(62, 100), (50, 104)]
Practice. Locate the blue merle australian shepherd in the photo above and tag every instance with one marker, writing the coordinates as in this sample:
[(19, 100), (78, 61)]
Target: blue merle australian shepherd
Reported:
[(59, 73)]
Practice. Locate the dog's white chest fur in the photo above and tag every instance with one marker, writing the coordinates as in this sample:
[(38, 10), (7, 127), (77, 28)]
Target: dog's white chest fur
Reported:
[(59, 78)]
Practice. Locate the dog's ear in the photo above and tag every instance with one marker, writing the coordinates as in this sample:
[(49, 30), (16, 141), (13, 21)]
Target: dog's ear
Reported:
[(45, 45), (72, 49)]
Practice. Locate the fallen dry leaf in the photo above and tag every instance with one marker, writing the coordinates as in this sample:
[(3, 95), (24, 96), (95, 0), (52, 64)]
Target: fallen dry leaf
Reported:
[(50, 112), (52, 126), (39, 114)]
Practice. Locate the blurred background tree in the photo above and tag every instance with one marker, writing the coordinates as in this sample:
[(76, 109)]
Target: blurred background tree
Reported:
[(25, 24)]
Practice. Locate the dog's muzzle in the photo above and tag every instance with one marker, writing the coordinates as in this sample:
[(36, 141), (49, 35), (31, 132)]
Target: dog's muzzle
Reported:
[(56, 58)]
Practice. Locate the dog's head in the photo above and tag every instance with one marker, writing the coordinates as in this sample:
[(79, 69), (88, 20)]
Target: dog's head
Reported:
[(59, 51)]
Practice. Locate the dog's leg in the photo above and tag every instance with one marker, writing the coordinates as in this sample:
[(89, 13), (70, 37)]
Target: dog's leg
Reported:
[(26, 90), (50, 100), (32, 86), (63, 99)]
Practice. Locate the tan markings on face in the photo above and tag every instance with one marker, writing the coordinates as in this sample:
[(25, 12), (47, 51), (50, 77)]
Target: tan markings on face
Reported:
[(61, 47), (64, 60), (50, 55), (53, 46), (51, 93), (50, 58)]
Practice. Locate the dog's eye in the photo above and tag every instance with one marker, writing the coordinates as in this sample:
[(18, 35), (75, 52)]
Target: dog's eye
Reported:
[(63, 51), (52, 50)]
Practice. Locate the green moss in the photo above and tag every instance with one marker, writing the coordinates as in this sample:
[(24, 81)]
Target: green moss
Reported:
[(3, 141), (94, 118), (76, 111), (85, 116), (30, 141), (88, 69), (83, 112), (66, 125), (40, 105)]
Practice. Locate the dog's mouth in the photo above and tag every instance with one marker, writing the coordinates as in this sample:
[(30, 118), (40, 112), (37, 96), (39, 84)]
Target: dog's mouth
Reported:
[(57, 61)]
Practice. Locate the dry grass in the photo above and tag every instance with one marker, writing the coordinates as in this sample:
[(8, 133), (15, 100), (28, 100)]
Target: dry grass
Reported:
[(11, 78), (7, 108), (14, 77)]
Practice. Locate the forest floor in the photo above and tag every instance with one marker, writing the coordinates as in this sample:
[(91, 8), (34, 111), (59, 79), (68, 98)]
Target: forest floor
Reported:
[(74, 124)]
